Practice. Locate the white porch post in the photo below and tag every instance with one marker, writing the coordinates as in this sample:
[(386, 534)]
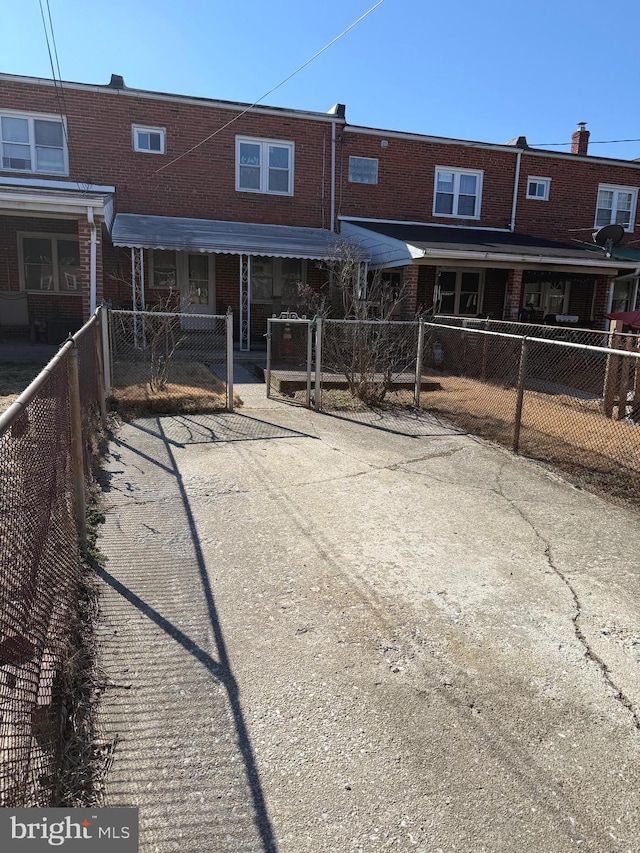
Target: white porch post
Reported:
[(245, 303), (137, 289)]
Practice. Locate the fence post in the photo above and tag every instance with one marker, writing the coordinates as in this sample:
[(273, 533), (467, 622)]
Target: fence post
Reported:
[(419, 355), (229, 341), (77, 460), (268, 370), (524, 348), (318, 378), (102, 397), (106, 355), (309, 360)]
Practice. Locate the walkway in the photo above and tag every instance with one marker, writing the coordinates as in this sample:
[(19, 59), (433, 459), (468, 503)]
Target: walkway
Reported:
[(326, 637)]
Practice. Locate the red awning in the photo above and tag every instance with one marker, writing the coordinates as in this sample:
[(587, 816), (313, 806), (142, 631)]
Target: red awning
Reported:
[(629, 318)]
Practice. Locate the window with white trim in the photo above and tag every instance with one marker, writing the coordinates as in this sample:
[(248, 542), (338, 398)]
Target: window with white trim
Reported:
[(363, 170), (264, 166), (459, 292), (50, 264), (538, 188), (457, 193), (33, 143), (277, 280), (148, 140), (616, 206)]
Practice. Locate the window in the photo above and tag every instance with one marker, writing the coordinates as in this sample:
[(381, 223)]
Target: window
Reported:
[(277, 280), (163, 269), (621, 296), (264, 166), (457, 193), (363, 170), (50, 264), (616, 205), (459, 292), (32, 143), (149, 140), (546, 297), (538, 188)]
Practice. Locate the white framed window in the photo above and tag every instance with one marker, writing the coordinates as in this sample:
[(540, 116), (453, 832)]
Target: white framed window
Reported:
[(148, 140), (363, 170), (459, 292), (457, 193), (264, 166), (33, 143), (538, 188), (616, 205), (163, 269), (277, 280), (50, 263), (547, 297)]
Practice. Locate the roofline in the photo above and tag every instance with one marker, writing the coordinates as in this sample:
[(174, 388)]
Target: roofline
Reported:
[(491, 146), (174, 98), (346, 218)]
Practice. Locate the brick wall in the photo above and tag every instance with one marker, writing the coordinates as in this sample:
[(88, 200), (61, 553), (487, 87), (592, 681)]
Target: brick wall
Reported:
[(201, 185)]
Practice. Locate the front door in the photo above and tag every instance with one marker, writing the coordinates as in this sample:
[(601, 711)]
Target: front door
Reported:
[(197, 291)]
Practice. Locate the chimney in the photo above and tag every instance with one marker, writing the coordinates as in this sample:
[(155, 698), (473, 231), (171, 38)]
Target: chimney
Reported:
[(580, 139)]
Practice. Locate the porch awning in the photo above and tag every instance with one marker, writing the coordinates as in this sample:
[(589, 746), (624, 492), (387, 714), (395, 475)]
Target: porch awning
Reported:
[(396, 244), (231, 238)]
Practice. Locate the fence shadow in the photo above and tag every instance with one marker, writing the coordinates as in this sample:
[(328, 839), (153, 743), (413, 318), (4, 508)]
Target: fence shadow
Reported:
[(183, 430), (217, 664), (411, 423)]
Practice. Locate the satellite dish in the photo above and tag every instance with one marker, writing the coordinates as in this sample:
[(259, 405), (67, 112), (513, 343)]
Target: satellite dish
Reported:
[(608, 237)]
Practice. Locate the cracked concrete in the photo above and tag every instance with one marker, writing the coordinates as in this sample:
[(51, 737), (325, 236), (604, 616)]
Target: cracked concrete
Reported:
[(442, 655)]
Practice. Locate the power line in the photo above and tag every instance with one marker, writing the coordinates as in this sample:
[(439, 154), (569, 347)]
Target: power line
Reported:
[(266, 94), (62, 107)]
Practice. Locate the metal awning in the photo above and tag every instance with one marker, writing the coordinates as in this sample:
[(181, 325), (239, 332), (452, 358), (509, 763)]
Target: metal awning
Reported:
[(397, 244), (211, 235)]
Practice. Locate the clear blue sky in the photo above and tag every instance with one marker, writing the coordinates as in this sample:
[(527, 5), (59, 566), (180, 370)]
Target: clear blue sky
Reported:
[(487, 70)]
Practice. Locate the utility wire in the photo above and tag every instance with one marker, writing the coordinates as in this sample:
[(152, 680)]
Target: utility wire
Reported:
[(266, 94), (57, 82)]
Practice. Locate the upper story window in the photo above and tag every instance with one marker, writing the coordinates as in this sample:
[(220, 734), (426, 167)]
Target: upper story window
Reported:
[(264, 166), (538, 188), (458, 193), (33, 143), (363, 170), (149, 140), (616, 205)]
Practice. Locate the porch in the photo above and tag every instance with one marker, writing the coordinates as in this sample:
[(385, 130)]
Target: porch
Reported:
[(207, 266), (50, 256)]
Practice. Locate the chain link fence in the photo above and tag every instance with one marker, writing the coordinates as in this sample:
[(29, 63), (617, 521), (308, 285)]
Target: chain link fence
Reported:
[(43, 485), (290, 359), (572, 404), (570, 334), (166, 363)]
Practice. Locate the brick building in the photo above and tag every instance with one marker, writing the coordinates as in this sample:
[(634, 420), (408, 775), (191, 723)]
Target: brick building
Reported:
[(112, 192)]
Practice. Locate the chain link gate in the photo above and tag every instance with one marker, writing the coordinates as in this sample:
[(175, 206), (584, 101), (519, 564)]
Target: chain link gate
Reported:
[(290, 358)]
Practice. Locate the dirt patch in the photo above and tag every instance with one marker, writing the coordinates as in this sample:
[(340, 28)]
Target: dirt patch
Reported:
[(568, 432), (192, 389), (14, 378)]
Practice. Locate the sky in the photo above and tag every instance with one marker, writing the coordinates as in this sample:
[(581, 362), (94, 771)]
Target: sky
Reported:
[(487, 71)]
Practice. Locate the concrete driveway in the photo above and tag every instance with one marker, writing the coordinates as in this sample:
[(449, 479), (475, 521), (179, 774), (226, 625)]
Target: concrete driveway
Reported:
[(325, 636)]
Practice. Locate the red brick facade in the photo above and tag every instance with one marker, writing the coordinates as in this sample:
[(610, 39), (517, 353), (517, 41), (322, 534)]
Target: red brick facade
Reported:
[(202, 184)]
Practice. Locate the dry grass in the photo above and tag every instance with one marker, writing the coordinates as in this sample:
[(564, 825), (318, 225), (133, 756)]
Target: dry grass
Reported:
[(566, 431), (192, 389), (14, 378)]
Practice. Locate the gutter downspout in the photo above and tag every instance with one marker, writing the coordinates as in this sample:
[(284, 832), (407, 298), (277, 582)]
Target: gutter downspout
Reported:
[(514, 203), (332, 223), (93, 301)]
